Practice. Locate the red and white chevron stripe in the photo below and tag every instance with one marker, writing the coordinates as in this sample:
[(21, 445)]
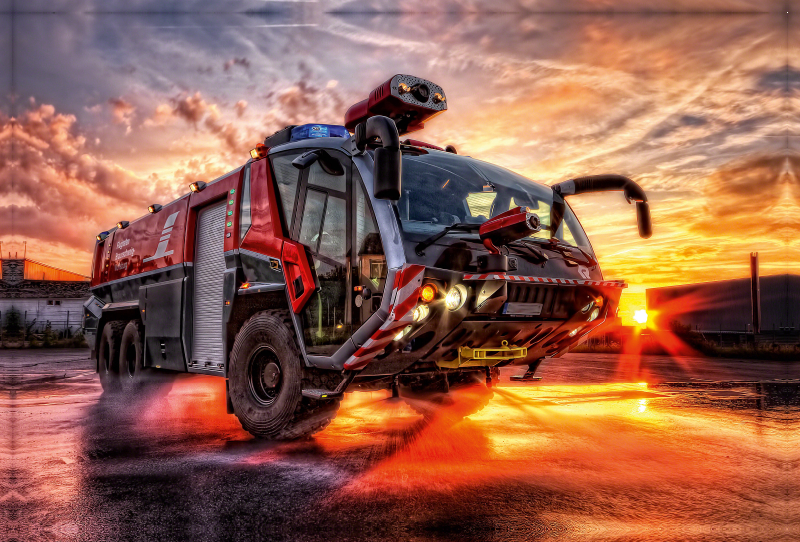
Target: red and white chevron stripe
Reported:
[(404, 297), (545, 280)]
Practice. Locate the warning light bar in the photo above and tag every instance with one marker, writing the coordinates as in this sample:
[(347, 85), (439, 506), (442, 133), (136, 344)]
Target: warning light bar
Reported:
[(409, 101)]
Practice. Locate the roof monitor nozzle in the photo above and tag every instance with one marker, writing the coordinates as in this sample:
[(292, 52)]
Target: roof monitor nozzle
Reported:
[(409, 101)]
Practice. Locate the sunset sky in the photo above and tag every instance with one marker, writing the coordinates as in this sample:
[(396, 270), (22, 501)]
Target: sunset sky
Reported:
[(102, 114)]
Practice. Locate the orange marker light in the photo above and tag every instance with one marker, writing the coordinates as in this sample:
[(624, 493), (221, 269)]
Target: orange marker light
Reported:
[(259, 152), (244, 286), (428, 293)]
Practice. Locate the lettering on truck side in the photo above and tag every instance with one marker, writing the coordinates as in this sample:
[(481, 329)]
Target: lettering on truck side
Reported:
[(162, 251)]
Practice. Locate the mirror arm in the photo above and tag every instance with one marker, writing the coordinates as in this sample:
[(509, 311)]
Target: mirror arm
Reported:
[(607, 183), (601, 183), (377, 127)]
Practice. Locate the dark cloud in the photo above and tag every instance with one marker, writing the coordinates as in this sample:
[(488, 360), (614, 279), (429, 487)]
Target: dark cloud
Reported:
[(191, 108), (243, 62), (758, 196), (787, 80), (121, 111)]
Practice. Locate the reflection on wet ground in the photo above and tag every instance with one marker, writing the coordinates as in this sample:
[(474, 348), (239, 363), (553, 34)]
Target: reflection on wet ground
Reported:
[(622, 461)]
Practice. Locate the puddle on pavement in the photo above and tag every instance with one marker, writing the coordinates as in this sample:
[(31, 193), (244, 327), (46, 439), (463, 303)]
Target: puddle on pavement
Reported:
[(618, 461)]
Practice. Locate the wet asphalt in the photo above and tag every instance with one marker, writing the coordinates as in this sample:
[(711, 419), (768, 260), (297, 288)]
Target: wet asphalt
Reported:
[(605, 447)]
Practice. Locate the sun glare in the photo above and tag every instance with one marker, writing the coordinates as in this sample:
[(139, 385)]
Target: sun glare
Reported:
[(640, 316)]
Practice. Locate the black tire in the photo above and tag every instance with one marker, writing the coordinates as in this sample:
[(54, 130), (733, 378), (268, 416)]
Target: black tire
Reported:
[(108, 356), (133, 375), (266, 376), (468, 394)]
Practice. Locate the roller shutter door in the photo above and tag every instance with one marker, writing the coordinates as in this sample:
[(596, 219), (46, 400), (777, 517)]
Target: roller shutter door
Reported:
[(209, 266)]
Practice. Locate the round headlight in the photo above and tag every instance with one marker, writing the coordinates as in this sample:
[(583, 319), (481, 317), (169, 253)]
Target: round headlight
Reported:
[(456, 297), (403, 333), (594, 315), (421, 312)]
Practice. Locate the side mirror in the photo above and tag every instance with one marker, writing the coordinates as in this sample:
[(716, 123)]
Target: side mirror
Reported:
[(643, 219), (387, 171), (328, 163)]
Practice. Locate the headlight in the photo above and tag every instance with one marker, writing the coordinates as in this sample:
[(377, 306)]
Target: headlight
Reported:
[(456, 297), (421, 312), (402, 333), (588, 307), (595, 314)]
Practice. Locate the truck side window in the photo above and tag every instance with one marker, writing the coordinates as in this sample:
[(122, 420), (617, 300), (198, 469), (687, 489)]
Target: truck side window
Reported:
[(318, 177), (287, 177), (244, 212), (323, 228)]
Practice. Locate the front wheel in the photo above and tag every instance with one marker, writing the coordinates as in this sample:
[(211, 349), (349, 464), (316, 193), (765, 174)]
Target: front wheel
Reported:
[(265, 380)]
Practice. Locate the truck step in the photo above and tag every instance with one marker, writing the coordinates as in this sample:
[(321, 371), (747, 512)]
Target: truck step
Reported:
[(320, 395), (525, 378)]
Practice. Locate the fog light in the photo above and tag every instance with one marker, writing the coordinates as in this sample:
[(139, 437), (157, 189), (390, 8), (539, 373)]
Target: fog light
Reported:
[(428, 293), (456, 297), (421, 312), (594, 315), (573, 332), (402, 333)]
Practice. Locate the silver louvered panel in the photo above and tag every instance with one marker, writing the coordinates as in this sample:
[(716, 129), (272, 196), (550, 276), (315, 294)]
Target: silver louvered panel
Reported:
[(209, 266)]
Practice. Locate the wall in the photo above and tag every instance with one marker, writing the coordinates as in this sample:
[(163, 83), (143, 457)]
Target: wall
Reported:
[(726, 306), (68, 315)]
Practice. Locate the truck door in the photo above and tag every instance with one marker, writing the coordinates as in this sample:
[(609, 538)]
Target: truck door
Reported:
[(331, 217), (322, 224)]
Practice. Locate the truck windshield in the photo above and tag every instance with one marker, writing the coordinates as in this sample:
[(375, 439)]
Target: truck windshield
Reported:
[(441, 189)]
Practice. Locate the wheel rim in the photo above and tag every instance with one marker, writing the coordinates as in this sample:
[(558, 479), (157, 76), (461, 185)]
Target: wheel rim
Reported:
[(264, 375)]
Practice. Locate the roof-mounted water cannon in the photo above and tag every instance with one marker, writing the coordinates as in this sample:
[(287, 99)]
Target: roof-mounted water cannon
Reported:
[(409, 101)]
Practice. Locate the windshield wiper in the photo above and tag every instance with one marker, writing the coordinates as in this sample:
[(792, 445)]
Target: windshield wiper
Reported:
[(538, 254), (556, 245), (422, 245)]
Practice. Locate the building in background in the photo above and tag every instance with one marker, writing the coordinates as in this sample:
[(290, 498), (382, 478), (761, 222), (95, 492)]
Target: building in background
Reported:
[(42, 294), (722, 311)]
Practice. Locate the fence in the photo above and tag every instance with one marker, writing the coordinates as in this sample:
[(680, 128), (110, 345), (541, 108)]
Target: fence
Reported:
[(63, 323)]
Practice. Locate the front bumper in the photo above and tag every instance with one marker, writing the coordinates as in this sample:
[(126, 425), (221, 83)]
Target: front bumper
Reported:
[(516, 320)]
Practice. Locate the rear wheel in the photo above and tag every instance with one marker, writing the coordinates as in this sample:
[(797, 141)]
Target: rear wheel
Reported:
[(134, 376), (265, 378), (108, 356)]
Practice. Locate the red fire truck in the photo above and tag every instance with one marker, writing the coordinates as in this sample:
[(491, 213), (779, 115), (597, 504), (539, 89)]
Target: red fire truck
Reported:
[(340, 258)]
